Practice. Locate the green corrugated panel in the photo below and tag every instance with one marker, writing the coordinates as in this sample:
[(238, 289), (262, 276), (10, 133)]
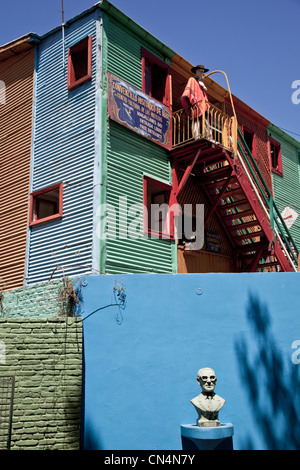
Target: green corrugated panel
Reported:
[(124, 54), (287, 188), (129, 157)]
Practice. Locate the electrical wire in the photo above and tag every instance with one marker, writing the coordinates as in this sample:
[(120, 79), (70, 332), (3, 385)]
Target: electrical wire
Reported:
[(291, 132)]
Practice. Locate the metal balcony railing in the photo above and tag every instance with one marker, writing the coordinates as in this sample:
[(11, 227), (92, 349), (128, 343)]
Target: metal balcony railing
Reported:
[(212, 124)]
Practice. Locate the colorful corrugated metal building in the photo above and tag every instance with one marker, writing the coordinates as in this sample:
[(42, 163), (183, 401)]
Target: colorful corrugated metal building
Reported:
[(64, 159), (110, 139), (16, 105)]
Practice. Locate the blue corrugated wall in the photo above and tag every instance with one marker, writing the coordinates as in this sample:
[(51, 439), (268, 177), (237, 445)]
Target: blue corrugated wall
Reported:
[(64, 150)]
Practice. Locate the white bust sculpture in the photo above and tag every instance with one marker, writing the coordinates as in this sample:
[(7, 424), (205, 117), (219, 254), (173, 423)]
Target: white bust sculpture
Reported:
[(207, 404)]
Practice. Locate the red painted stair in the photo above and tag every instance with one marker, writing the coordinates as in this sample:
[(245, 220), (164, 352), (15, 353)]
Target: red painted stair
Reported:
[(242, 202)]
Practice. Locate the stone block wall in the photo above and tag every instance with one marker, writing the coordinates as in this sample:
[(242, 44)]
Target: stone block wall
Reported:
[(45, 356), (41, 300)]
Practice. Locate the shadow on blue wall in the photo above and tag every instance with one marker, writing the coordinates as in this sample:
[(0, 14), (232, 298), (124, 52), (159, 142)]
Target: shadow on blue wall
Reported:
[(91, 440), (119, 293), (270, 383)]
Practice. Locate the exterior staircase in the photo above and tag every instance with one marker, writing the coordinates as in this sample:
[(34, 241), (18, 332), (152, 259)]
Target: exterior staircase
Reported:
[(243, 203)]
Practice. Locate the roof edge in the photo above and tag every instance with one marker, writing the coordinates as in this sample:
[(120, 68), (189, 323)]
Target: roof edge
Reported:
[(17, 46), (15, 42), (113, 11), (284, 135)]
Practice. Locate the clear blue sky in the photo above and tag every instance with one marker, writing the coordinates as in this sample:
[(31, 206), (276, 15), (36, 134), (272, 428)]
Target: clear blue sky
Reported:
[(256, 43)]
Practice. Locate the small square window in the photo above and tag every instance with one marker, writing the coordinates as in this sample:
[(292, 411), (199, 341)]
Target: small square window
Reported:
[(80, 63), (156, 77), (158, 221), (275, 157), (46, 204)]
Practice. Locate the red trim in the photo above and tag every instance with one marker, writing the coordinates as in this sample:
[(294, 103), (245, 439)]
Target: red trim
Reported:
[(59, 215), (173, 197), (278, 171), (155, 60), (165, 187), (84, 43), (145, 215)]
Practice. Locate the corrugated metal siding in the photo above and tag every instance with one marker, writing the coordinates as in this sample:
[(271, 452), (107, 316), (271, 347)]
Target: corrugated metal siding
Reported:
[(129, 157), (64, 151), (286, 188), (15, 151), (124, 54)]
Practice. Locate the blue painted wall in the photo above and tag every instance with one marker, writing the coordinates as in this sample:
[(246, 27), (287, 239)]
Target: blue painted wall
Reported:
[(141, 361)]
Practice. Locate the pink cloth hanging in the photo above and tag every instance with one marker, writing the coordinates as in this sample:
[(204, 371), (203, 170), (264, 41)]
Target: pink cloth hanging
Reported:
[(195, 94)]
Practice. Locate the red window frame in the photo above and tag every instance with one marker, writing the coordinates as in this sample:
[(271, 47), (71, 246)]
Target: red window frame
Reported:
[(249, 131), (164, 187), (58, 215), (85, 43), (153, 60), (273, 143)]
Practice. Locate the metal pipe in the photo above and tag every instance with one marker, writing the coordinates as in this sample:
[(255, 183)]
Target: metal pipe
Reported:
[(63, 31), (63, 45), (221, 71)]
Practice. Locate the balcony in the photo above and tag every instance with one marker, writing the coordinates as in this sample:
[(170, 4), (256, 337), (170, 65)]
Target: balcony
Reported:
[(212, 125)]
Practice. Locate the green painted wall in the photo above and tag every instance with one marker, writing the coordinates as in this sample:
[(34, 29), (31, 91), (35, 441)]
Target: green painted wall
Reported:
[(126, 157), (124, 49), (46, 358), (287, 188)]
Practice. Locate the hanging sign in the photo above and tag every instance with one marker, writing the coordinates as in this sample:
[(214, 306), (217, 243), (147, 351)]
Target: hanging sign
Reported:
[(138, 112), (213, 242)]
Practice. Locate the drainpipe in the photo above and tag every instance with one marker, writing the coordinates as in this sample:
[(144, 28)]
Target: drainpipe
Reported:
[(221, 71)]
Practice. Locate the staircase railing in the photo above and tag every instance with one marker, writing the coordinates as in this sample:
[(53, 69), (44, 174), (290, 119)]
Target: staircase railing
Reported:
[(211, 124), (265, 197)]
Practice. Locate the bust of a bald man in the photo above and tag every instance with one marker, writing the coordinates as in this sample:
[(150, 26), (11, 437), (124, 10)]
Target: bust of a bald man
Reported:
[(208, 403)]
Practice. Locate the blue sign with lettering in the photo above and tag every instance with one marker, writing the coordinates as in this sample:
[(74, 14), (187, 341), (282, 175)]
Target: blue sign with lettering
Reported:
[(139, 112)]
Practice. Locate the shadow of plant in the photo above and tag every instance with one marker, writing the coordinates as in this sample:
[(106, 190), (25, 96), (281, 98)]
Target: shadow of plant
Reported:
[(272, 383)]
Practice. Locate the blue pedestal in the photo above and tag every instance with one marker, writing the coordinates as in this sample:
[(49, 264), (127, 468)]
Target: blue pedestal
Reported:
[(195, 437)]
